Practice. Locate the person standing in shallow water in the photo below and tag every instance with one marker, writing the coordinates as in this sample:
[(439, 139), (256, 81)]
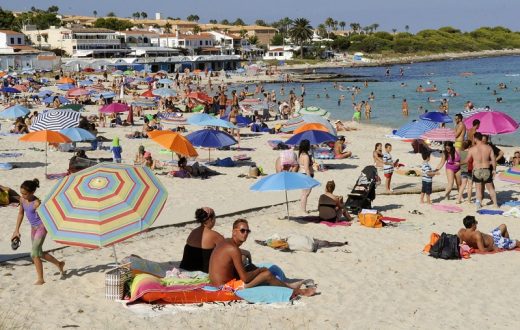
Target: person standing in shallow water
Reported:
[(28, 206)]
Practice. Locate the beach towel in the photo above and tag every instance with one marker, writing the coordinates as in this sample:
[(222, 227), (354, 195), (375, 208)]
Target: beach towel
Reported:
[(265, 294), (241, 157), (6, 166), (512, 203), (323, 153), (447, 208), (10, 154), (390, 219), (336, 224), (56, 176), (513, 212), (242, 149), (490, 212), (139, 265), (476, 251), (224, 162)]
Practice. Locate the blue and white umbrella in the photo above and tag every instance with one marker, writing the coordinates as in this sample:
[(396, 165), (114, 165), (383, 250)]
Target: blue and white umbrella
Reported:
[(77, 134), (50, 99), (284, 181), (415, 129), (315, 137), (165, 81), (85, 82), (197, 118), (14, 112), (44, 93), (66, 87), (55, 120), (164, 92), (216, 123)]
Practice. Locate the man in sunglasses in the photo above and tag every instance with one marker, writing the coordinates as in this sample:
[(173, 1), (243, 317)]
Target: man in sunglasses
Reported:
[(496, 240), (226, 265)]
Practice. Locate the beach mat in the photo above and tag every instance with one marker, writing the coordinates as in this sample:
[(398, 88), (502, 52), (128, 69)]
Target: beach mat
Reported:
[(475, 251), (447, 208)]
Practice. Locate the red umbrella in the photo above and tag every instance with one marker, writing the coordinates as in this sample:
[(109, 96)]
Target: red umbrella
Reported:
[(77, 92), (148, 93), (203, 97), (88, 70), (114, 108)]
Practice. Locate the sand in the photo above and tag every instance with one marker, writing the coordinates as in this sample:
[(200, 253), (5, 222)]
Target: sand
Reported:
[(380, 280)]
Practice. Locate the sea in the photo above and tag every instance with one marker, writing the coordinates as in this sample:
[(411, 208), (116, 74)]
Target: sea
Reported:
[(476, 80)]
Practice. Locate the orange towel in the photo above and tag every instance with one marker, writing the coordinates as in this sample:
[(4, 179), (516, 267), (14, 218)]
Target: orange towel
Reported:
[(234, 285)]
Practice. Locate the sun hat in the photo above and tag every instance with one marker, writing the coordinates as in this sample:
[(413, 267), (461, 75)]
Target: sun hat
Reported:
[(147, 154)]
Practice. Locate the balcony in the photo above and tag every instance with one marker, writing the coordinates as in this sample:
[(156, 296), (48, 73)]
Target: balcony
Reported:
[(97, 41)]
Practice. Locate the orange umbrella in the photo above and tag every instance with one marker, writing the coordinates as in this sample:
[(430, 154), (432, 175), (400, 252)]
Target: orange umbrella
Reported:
[(66, 80), (21, 88), (311, 126), (148, 93), (47, 137), (203, 97), (174, 142)]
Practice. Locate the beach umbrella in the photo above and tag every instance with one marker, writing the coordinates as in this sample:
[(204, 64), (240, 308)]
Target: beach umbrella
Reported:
[(14, 112), (311, 126), (164, 92), (493, 123), (9, 90), (317, 111), (44, 93), (296, 122), (50, 99), (285, 181), (76, 134), (55, 120), (511, 175), (117, 73), (199, 96), (85, 82), (114, 108), (165, 81), (21, 88), (210, 138), (148, 93), (174, 142), (437, 116), (45, 136), (66, 87), (77, 92), (415, 129), (75, 107), (439, 134), (196, 119), (198, 108), (66, 80), (470, 112), (128, 72), (216, 122), (102, 205), (314, 137), (241, 120)]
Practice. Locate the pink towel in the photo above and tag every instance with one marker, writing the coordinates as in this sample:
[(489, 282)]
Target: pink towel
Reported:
[(390, 219), (336, 224), (447, 208)]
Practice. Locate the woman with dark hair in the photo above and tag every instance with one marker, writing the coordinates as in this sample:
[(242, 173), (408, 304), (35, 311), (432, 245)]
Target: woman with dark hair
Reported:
[(201, 242), (451, 158), (305, 161)]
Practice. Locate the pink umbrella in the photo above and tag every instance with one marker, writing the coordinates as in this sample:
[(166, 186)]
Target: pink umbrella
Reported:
[(77, 92), (114, 108), (493, 123), (439, 134)]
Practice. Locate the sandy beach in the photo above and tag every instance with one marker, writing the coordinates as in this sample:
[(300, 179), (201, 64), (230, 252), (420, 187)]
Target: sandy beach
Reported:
[(381, 279)]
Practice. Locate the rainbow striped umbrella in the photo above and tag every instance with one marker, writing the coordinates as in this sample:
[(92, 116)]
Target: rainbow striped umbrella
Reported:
[(511, 175), (102, 205)]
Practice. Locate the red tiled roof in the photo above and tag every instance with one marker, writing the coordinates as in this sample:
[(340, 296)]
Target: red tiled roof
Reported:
[(196, 36), (10, 32)]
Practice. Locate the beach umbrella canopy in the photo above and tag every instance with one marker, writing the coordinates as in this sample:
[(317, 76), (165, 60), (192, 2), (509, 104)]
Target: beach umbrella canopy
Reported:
[(314, 137), (437, 116), (470, 112), (311, 126), (77, 92), (55, 120), (317, 111), (199, 96), (114, 108), (45, 136), (296, 122), (77, 134), (66, 87), (10, 90), (511, 175), (102, 205), (165, 81), (210, 138), (174, 142), (75, 107), (284, 181), (85, 82), (50, 99), (216, 123), (164, 92), (439, 134), (14, 112), (493, 122), (415, 129), (66, 80), (148, 93), (44, 93), (196, 119)]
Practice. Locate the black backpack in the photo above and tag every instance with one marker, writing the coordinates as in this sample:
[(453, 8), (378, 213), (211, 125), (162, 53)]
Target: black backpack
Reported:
[(447, 247)]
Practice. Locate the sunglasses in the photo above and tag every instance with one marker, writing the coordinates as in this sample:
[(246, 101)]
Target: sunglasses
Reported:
[(243, 231)]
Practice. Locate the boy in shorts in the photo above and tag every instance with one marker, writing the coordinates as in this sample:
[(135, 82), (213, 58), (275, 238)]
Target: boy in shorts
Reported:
[(427, 178), (388, 166)]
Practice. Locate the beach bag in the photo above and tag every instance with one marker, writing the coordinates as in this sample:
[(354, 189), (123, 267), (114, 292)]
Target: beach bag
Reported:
[(4, 197), (446, 247), (116, 282), (434, 237), (301, 243), (372, 220)]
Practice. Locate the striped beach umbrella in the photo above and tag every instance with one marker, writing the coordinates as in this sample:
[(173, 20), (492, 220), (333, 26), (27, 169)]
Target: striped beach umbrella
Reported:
[(439, 134), (164, 92), (415, 129), (55, 120), (296, 122), (314, 111), (511, 175), (102, 205)]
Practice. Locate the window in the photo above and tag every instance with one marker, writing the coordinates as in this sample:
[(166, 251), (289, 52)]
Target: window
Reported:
[(12, 41), (200, 42), (19, 41)]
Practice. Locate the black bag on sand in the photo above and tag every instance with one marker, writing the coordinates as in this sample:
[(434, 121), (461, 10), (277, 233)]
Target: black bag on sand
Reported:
[(447, 247)]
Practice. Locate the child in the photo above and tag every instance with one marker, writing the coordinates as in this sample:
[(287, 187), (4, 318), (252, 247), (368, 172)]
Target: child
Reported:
[(388, 166), (427, 174), (116, 150), (28, 205)]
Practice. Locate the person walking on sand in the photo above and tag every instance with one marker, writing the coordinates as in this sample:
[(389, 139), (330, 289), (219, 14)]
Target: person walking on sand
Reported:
[(305, 163), (388, 166), (116, 150), (28, 206), (460, 132)]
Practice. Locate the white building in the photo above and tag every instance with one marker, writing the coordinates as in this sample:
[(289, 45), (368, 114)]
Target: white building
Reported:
[(16, 55), (280, 53)]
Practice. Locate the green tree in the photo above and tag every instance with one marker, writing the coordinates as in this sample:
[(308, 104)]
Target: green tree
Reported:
[(53, 9), (277, 40), (136, 15), (94, 13), (239, 22), (406, 28), (167, 27), (42, 19), (193, 18), (321, 30), (144, 15), (329, 23), (355, 27), (342, 25), (213, 21), (375, 26), (394, 30), (113, 23), (260, 22), (253, 40), (301, 32), (196, 29), (225, 22), (7, 20), (111, 14)]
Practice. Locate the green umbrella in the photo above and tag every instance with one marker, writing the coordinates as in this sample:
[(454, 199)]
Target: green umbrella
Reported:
[(75, 107)]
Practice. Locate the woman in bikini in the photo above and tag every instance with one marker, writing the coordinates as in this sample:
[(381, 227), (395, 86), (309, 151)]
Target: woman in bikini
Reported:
[(305, 162), (451, 158), (377, 155)]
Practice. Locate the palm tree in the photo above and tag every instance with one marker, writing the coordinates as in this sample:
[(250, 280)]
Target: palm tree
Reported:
[(355, 27), (300, 32), (406, 28), (321, 30), (342, 25), (394, 30), (95, 13), (193, 18), (213, 21), (329, 23), (167, 27), (136, 15), (144, 15), (239, 22), (375, 26)]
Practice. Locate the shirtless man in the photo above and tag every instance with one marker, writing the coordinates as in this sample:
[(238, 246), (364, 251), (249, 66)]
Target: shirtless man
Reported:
[(473, 130), (338, 149), (484, 167), (496, 240), (460, 132), (226, 264), (222, 100), (404, 107)]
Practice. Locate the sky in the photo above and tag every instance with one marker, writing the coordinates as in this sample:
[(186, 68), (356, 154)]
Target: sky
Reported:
[(389, 14)]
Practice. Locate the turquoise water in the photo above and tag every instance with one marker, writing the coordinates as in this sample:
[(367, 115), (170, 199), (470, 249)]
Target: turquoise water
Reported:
[(386, 109)]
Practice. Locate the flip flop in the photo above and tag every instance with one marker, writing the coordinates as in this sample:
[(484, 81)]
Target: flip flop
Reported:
[(15, 243)]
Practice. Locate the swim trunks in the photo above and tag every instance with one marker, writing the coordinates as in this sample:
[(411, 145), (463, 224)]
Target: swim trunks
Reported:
[(502, 242), (38, 234), (458, 144), (482, 175), (357, 115)]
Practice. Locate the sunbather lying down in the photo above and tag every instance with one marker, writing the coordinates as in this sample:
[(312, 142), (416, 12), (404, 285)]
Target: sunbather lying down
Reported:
[(298, 243), (189, 171), (496, 240)]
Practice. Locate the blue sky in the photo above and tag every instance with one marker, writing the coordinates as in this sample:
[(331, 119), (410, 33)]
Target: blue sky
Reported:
[(418, 14)]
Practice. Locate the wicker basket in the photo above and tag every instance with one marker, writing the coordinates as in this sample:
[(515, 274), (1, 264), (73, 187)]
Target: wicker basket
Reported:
[(115, 280)]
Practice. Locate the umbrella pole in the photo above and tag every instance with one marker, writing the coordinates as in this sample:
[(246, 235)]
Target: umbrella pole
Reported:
[(287, 204), (46, 159), (115, 254)]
